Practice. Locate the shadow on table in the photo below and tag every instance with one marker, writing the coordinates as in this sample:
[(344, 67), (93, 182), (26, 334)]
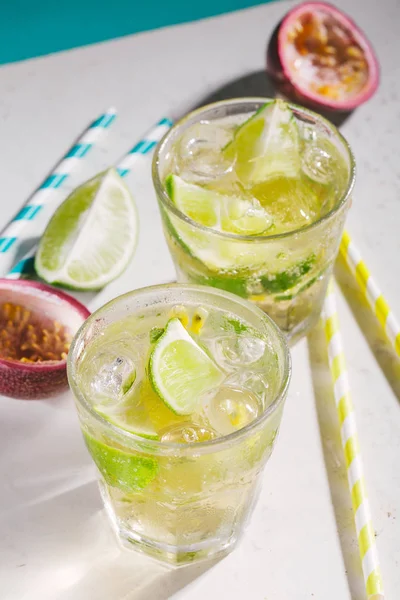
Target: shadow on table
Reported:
[(107, 571), (334, 461), (169, 581), (72, 554), (380, 346), (260, 84), (257, 83), (59, 542)]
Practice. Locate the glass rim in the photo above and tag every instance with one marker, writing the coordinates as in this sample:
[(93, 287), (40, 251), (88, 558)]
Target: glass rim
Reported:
[(167, 202), (192, 446)]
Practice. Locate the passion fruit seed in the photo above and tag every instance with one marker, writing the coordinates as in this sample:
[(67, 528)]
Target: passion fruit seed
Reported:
[(29, 338), (198, 320), (180, 313)]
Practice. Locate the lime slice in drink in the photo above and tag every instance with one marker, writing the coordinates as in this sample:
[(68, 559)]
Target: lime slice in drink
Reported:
[(91, 237), (197, 203), (126, 471), (232, 214), (131, 415), (180, 371), (266, 145)]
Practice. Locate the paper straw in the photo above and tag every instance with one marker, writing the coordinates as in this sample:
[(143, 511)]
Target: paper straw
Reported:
[(348, 430), (23, 266), (20, 228), (144, 146), (124, 167), (371, 291)]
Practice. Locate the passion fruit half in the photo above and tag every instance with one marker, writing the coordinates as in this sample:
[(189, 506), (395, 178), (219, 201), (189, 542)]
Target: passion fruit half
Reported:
[(318, 56), (36, 325)]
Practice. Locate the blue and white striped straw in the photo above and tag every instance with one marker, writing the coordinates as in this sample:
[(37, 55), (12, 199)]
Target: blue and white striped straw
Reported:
[(24, 266), (144, 147), (21, 226)]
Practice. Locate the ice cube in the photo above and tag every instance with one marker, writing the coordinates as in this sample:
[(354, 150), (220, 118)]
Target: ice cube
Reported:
[(256, 382), (187, 433), (231, 409), (234, 350), (308, 132), (245, 216), (199, 158), (318, 163), (114, 379)]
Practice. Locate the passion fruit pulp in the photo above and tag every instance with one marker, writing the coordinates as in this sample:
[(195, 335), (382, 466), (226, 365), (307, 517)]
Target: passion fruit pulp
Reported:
[(318, 56)]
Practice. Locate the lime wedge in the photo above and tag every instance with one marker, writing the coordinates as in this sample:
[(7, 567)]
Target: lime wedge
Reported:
[(266, 145), (131, 415), (128, 472), (232, 214), (91, 237), (180, 371), (216, 253), (195, 202)]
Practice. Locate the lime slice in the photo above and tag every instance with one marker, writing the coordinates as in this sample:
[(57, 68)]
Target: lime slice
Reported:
[(180, 371), (232, 214), (91, 237), (195, 202), (266, 145), (125, 471), (131, 415)]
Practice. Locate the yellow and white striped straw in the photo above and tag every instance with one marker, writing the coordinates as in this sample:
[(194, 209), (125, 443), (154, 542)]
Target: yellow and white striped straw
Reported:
[(371, 291), (348, 430)]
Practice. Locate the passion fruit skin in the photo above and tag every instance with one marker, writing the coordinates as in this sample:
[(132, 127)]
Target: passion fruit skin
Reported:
[(280, 74), (32, 382), (38, 380)]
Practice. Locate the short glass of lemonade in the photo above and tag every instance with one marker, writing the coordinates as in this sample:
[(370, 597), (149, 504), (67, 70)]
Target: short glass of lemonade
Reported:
[(179, 391)]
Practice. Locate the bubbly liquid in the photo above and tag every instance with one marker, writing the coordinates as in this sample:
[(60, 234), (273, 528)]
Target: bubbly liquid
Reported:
[(180, 507), (286, 277), (122, 354), (291, 202)]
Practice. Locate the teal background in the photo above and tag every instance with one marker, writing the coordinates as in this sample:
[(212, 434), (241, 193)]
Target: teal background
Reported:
[(31, 28)]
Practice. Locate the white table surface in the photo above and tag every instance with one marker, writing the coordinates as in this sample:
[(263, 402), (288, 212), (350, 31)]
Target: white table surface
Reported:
[(55, 543)]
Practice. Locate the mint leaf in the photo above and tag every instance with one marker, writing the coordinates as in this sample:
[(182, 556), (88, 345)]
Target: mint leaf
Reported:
[(280, 282)]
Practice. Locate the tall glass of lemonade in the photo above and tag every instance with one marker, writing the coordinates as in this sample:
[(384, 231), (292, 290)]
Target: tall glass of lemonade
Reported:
[(253, 195)]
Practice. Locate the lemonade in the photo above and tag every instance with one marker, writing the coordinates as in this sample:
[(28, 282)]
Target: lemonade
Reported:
[(253, 195), (179, 391)]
